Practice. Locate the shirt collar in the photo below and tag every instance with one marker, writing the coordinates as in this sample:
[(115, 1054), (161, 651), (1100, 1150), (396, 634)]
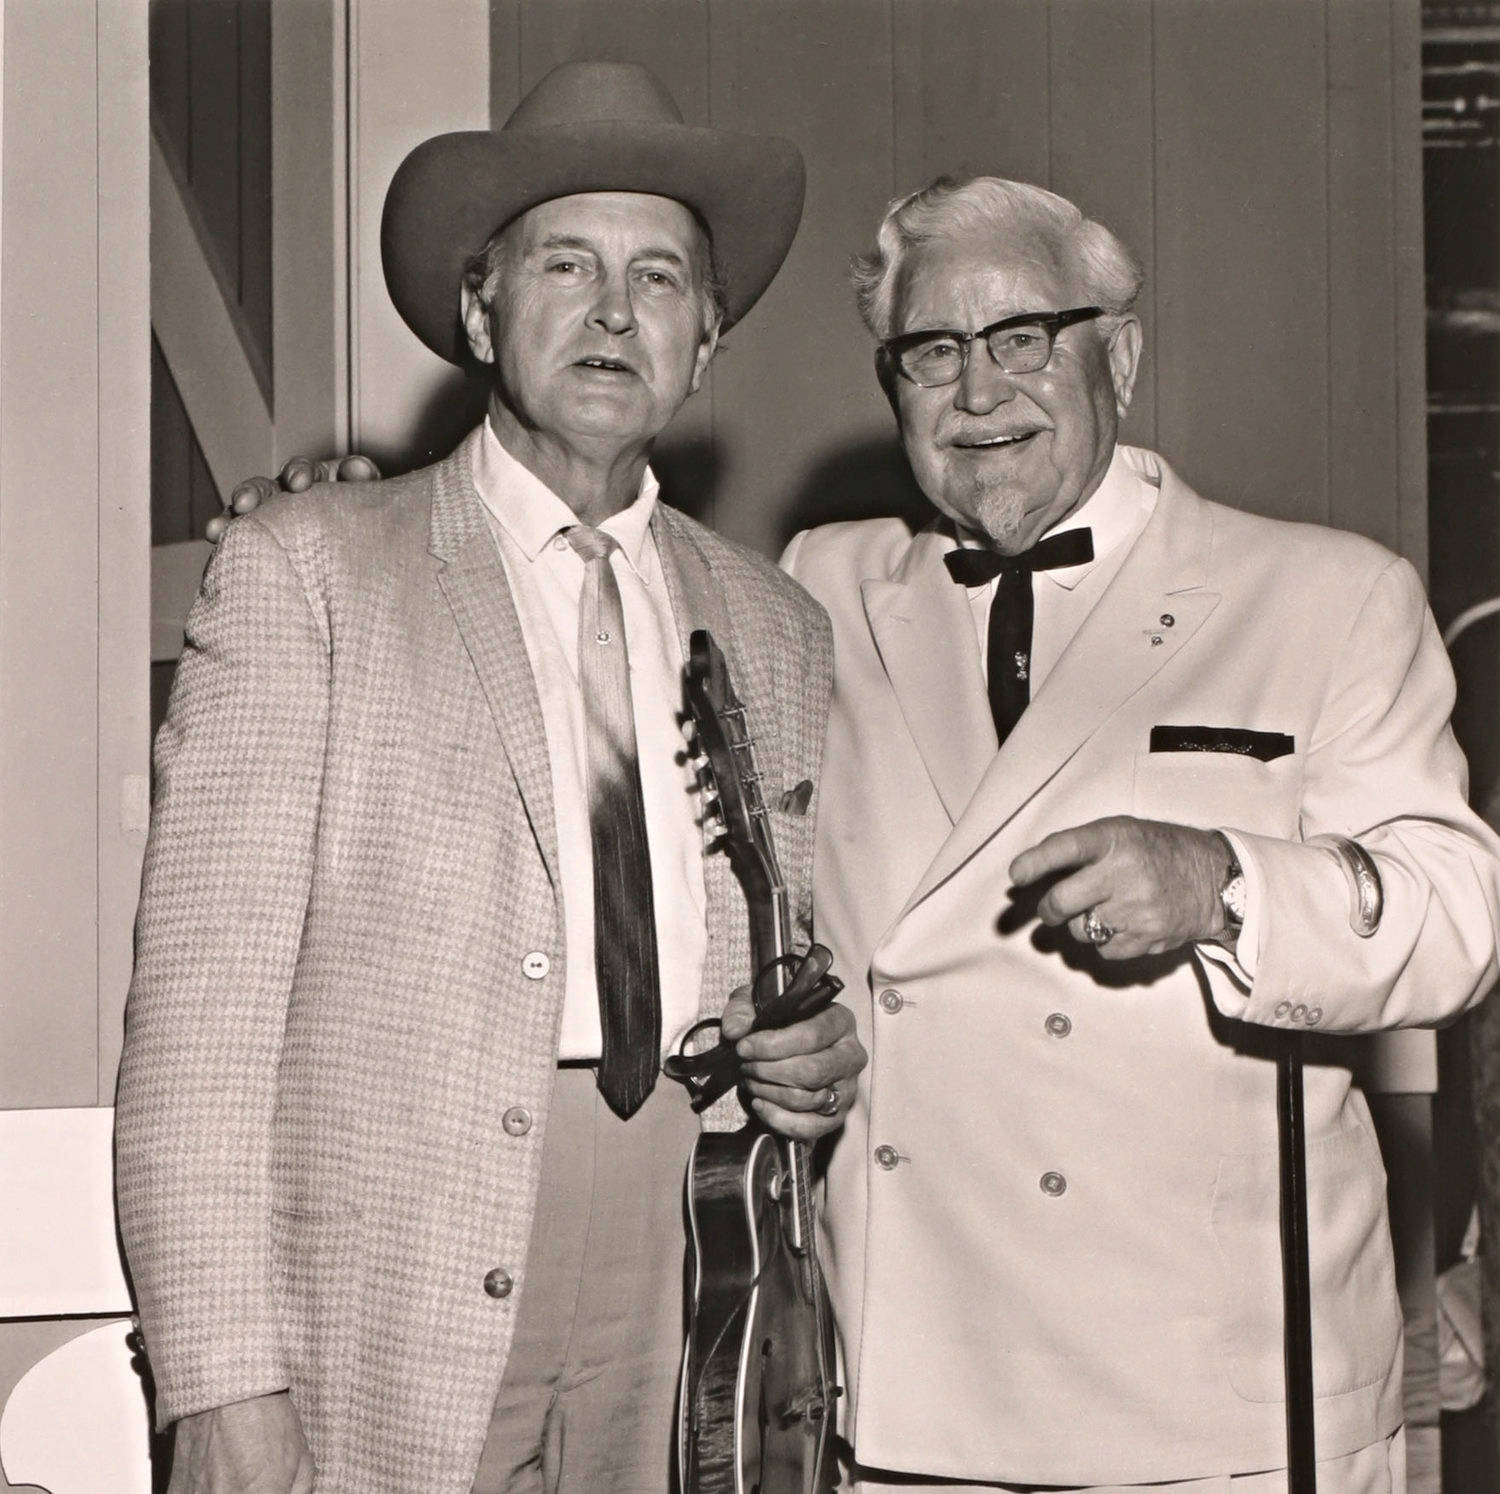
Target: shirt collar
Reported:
[(531, 513), (1112, 511)]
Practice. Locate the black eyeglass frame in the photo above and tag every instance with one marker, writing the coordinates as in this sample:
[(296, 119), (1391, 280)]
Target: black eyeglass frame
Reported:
[(1053, 323)]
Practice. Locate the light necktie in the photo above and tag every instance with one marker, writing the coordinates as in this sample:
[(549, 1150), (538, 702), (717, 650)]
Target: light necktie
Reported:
[(1012, 611), (625, 964)]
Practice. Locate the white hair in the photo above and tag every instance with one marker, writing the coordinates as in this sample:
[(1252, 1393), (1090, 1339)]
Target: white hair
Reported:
[(948, 209)]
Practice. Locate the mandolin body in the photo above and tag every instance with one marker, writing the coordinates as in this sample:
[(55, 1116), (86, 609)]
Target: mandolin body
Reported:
[(756, 1412)]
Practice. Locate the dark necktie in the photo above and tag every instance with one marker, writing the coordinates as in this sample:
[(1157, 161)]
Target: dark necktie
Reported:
[(1011, 612), (625, 964)]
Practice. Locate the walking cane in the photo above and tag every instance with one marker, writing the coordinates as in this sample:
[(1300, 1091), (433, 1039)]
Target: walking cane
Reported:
[(1302, 1475), (1367, 902)]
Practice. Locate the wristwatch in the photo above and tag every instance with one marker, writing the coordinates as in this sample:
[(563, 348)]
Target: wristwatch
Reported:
[(1232, 888)]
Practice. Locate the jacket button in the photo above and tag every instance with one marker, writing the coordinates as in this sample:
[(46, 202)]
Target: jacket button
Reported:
[(887, 1157), (1314, 1015), (1053, 1184), (535, 965), (891, 1001), (1059, 1024), (1299, 1012), (1282, 1008), (516, 1120), (498, 1283)]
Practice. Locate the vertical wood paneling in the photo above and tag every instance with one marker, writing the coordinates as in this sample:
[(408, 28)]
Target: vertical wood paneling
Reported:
[(169, 72), (210, 63), (505, 59), (669, 36), (1241, 259), (983, 65), (309, 230), (1362, 375), (49, 564), (253, 175), (1103, 148), (171, 456), (416, 70), (184, 496), (909, 88), (798, 417), (1409, 355), (214, 122), (122, 619)]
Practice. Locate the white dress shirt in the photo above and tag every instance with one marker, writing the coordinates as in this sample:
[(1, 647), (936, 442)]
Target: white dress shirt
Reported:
[(546, 581), (1117, 511)]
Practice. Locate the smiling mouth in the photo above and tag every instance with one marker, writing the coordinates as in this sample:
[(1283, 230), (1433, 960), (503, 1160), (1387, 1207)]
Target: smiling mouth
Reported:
[(996, 443)]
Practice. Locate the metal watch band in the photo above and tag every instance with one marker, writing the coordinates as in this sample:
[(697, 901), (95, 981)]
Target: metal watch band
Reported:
[(1367, 895)]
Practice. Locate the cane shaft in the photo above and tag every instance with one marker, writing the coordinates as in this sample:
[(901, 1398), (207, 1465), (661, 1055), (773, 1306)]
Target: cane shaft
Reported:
[(1302, 1475)]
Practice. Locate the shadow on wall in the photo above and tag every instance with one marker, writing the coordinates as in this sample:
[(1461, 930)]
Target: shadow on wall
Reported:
[(454, 406), (865, 479)]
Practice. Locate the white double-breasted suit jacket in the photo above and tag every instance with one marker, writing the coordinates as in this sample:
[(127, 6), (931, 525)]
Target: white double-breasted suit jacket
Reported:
[(1052, 1216), (342, 1031)]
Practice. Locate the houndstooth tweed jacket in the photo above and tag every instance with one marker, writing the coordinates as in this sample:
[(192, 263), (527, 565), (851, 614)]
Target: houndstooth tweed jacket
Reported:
[(351, 875)]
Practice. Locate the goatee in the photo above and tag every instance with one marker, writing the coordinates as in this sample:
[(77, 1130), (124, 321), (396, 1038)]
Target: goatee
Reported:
[(1000, 512)]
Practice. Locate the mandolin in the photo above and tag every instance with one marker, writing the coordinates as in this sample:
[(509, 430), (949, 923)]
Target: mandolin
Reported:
[(757, 1397)]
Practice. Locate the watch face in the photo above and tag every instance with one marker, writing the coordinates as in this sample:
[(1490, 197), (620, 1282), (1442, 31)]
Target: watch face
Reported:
[(1233, 898)]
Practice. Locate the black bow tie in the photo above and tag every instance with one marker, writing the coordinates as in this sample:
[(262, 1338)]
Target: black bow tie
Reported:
[(971, 567)]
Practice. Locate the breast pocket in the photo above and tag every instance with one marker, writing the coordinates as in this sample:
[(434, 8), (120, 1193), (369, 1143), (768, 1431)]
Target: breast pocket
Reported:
[(1213, 789), (1356, 1318)]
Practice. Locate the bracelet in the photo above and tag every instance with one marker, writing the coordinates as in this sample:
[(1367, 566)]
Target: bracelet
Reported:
[(1364, 882)]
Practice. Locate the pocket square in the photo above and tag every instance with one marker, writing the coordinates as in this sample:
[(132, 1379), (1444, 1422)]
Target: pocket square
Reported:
[(1263, 745), (796, 800)]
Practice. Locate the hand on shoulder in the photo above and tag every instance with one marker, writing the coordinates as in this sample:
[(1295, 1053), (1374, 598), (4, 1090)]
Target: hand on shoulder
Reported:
[(299, 474)]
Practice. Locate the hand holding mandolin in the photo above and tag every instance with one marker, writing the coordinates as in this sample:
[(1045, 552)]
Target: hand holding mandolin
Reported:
[(790, 1071)]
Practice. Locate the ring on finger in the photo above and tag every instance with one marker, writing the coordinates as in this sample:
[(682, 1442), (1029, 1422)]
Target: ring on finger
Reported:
[(830, 1106), (1095, 930)]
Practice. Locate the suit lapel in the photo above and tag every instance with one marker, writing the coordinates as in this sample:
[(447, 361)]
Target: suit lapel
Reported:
[(1121, 646), (472, 577), (924, 633), (697, 598), (698, 602)]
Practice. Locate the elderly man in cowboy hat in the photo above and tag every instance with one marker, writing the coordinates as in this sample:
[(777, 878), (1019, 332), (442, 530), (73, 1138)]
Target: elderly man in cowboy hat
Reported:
[(427, 896)]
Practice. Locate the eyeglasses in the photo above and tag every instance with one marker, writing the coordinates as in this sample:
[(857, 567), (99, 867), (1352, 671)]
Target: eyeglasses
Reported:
[(1019, 344)]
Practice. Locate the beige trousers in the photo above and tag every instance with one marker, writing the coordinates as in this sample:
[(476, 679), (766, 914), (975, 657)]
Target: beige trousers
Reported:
[(588, 1401), (1377, 1469)]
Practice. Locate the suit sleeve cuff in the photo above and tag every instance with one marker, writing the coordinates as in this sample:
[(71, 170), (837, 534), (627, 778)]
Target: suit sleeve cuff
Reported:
[(1231, 971)]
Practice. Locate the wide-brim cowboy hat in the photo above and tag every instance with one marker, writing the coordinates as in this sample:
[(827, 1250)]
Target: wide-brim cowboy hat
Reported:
[(586, 127)]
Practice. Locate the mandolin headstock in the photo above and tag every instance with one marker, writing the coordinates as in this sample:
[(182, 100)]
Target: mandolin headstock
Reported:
[(730, 773)]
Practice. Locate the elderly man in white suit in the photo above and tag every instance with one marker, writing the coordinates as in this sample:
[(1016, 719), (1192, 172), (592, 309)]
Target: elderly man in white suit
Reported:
[(428, 894), (1122, 788)]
